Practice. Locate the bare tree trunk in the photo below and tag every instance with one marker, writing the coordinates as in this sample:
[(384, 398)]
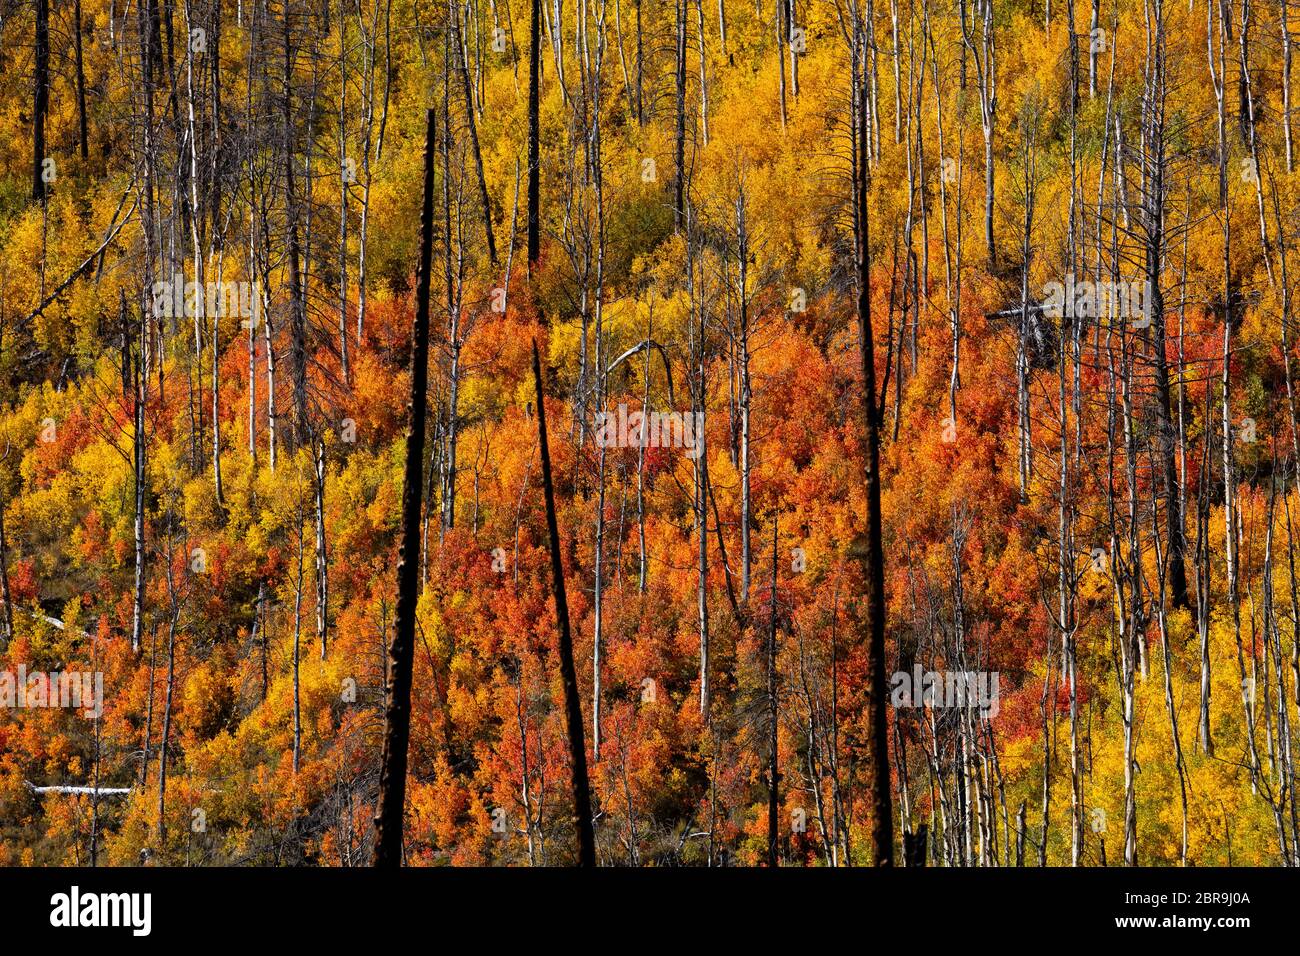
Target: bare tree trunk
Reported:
[(297, 305), (140, 384), (1286, 87), (397, 718), (258, 637), (457, 42), (568, 673), (704, 78), (1024, 420), (83, 136), (41, 99), (8, 617), (643, 567), (1153, 234), (167, 705), (98, 749), (369, 87), (869, 547), (781, 33), (322, 551), (272, 417), (699, 407), (534, 146), (1205, 734), (598, 181), (640, 66), (984, 57), (746, 394), (345, 182), (773, 711), (679, 140), (297, 642)]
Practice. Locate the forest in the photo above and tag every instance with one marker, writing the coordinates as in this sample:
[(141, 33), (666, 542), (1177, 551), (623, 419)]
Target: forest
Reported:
[(648, 433)]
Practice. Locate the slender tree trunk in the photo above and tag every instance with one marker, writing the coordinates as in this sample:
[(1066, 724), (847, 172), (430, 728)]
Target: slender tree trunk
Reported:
[(397, 719), (297, 642), (869, 548), (297, 304), (568, 673), (41, 99), (1286, 86), (1154, 236), (534, 146), (140, 383), (746, 395), (773, 711), (167, 704), (8, 618), (98, 749), (679, 139), (83, 137), (345, 182), (322, 551), (458, 44)]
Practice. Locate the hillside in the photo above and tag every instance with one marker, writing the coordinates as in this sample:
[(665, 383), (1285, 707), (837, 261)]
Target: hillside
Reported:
[(1066, 229)]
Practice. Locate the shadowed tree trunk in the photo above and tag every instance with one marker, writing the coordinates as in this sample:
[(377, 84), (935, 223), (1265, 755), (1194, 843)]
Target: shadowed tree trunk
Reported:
[(679, 138), (534, 159), (8, 616), (868, 548), (81, 81), (1153, 236), (397, 719), (302, 428), (41, 100), (463, 68), (773, 766), (568, 674)]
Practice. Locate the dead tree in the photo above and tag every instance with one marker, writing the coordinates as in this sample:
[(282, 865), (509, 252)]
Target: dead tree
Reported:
[(568, 674), (1153, 240), (82, 135), (869, 548), (773, 713), (984, 55), (534, 158), (458, 43), (41, 99), (679, 137), (397, 718)]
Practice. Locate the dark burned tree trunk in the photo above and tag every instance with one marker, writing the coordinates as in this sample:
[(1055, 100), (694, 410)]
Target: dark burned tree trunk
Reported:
[(534, 122), (297, 304), (463, 68), (397, 719), (869, 548), (41, 102), (7, 619), (914, 846), (679, 138), (640, 68), (81, 80), (1153, 242), (773, 765), (568, 674)]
